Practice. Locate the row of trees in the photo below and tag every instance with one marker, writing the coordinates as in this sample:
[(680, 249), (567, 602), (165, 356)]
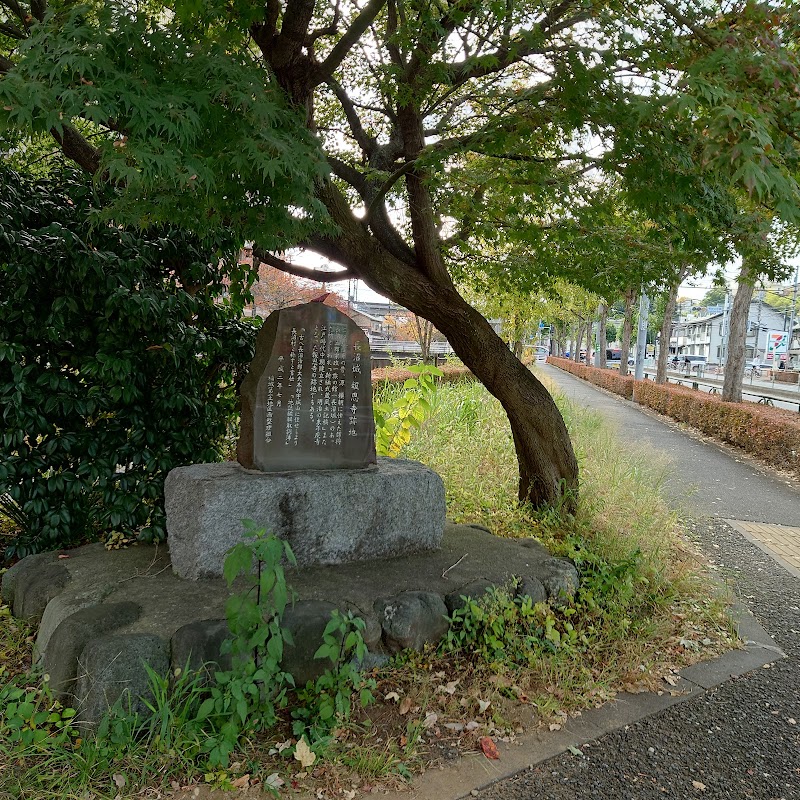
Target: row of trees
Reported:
[(436, 150)]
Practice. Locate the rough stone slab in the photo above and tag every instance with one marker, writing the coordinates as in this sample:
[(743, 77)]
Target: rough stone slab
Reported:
[(18, 575), (328, 516), (472, 591), (306, 621), (199, 643), (112, 669), (38, 589), (412, 619), (72, 636), (189, 615)]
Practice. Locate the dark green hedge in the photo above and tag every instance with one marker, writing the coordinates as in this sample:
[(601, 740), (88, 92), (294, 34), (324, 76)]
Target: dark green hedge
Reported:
[(111, 373)]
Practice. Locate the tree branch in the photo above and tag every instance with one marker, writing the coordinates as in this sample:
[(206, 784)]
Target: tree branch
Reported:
[(38, 9), (377, 217), (5, 64), (76, 147), (678, 16), (15, 8), (328, 30), (526, 44), (11, 30), (365, 142), (299, 271), (357, 27)]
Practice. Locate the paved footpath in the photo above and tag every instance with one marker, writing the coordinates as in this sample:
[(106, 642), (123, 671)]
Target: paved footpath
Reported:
[(739, 737)]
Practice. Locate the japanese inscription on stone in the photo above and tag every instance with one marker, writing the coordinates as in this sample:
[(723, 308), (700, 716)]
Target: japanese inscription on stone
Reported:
[(307, 399)]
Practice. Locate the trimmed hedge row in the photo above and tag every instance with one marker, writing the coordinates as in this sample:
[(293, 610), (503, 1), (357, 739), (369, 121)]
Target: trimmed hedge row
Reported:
[(451, 373), (771, 434)]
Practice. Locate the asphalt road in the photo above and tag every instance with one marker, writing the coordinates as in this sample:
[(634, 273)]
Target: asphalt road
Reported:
[(742, 739)]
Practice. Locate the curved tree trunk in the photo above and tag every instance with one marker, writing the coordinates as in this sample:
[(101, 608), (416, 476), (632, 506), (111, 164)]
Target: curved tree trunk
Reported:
[(665, 333), (627, 330), (548, 469), (737, 335)]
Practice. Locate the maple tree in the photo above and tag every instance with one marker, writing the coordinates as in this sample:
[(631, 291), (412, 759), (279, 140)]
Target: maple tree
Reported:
[(398, 138)]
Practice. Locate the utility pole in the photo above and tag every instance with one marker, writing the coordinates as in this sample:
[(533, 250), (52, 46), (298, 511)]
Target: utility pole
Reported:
[(791, 317), (756, 355), (641, 335), (725, 328)]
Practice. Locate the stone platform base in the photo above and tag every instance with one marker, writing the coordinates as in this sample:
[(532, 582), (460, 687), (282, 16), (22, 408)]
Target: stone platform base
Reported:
[(336, 516), (102, 613)]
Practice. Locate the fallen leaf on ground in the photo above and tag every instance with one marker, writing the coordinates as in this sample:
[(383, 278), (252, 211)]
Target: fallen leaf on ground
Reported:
[(406, 705), (392, 696), (274, 781), (303, 753), (489, 747), (483, 705)]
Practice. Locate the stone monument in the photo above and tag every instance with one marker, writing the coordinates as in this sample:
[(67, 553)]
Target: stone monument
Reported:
[(306, 467), (307, 397)]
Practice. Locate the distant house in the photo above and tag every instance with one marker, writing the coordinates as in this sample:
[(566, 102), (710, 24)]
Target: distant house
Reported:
[(705, 336), (374, 326)]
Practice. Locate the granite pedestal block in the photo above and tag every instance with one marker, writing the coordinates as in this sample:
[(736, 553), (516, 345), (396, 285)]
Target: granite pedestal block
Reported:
[(334, 516)]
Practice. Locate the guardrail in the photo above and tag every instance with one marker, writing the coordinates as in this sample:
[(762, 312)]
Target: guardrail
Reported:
[(436, 348)]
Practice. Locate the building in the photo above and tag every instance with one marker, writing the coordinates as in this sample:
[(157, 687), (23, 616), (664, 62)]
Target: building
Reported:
[(705, 335)]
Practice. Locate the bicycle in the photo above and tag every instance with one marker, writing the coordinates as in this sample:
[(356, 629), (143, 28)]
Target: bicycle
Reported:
[(752, 372)]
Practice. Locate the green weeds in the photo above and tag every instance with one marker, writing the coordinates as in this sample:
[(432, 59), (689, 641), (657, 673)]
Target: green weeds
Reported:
[(195, 723), (398, 411)]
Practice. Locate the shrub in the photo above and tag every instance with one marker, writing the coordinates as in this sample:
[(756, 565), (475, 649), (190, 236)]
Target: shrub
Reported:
[(451, 373), (111, 371)]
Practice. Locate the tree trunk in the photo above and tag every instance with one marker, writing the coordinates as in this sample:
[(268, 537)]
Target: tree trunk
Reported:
[(576, 354), (548, 469), (627, 330), (589, 342), (666, 332), (424, 331), (602, 344), (737, 335)]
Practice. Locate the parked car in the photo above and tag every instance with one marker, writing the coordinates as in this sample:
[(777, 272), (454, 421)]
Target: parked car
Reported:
[(616, 355)]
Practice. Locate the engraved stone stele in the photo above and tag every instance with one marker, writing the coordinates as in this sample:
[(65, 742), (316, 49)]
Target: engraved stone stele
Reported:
[(307, 469), (307, 397)]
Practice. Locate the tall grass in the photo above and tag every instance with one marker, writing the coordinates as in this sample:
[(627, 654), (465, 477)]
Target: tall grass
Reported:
[(658, 599)]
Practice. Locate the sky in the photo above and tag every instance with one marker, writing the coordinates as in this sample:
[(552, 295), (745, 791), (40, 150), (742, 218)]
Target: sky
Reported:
[(694, 289)]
